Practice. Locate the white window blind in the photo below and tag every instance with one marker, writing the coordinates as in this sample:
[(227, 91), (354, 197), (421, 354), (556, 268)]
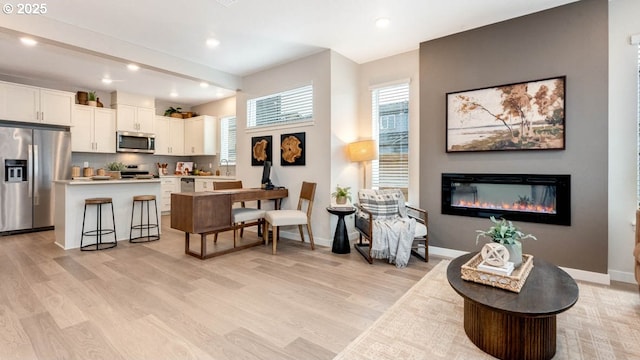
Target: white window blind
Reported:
[(281, 108), (228, 139), (390, 120)]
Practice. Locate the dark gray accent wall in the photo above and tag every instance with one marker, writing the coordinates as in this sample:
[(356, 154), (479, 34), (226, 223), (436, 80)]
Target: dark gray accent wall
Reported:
[(570, 40)]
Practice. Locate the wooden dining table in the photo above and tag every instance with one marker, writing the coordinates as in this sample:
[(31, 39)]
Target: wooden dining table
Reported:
[(209, 212)]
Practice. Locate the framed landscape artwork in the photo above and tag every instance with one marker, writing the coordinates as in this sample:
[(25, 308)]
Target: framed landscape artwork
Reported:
[(260, 150), (292, 149), (521, 116)]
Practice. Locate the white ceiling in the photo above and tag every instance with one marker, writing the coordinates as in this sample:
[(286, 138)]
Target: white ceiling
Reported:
[(82, 41)]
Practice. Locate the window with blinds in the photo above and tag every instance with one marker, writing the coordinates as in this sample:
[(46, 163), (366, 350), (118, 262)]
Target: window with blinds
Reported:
[(228, 139), (390, 120), (286, 107)]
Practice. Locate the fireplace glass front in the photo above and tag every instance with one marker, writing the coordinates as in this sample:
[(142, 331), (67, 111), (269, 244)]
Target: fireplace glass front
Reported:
[(521, 197)]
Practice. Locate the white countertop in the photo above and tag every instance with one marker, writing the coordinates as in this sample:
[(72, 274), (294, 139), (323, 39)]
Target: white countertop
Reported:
[(106, 182), (215, 177)]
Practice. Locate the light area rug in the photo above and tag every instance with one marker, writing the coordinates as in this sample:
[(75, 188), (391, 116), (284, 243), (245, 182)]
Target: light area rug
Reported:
[(427, 323)]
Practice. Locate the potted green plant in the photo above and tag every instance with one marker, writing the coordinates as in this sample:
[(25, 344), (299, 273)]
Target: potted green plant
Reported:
[(505, 233), (92, 99), (173, 112), (342, 194), (115, 169)]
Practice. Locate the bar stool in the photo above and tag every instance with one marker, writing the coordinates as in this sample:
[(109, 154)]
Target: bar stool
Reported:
[(99, 231), (144, 199)]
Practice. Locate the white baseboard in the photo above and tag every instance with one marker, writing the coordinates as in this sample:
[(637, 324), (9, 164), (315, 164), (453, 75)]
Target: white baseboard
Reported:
[(577, 274), (622, 276)]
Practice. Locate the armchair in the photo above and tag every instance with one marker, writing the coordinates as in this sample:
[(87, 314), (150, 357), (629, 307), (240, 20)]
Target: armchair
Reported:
[(390, 228)]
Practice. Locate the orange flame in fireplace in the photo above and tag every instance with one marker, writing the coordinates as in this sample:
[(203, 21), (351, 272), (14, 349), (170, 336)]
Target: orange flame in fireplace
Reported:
[(505, 206)]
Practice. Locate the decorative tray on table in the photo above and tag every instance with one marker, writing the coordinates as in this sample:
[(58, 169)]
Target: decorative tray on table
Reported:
[(513, 282), (101, 177)]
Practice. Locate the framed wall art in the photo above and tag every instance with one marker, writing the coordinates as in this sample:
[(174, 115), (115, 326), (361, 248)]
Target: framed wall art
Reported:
[(261, 150), (292, 149), (521, 116)]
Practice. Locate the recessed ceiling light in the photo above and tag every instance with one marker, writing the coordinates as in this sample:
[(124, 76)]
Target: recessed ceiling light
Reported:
[(107, 80), (28, 41), (133, 67), (382, 22), (211, 42), (204, 84), (173, 94)]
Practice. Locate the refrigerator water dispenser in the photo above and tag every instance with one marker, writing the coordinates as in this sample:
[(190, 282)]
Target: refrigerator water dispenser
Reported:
[(15, 170)]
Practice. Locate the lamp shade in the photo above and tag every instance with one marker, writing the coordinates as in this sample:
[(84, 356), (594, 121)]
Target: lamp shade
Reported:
[(363, 150)]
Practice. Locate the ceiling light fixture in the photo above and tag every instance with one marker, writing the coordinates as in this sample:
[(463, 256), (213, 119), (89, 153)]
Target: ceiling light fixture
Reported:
[(382, 23), (211, 42), (204, 84), (28, 41), (133, 67), (173, 94), (107, 80)]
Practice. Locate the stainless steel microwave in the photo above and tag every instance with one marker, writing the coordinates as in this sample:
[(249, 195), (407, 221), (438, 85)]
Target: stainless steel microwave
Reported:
[(135, 142)]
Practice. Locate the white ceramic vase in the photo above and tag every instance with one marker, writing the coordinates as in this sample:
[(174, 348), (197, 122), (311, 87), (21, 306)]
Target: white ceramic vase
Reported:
[(515, 253)]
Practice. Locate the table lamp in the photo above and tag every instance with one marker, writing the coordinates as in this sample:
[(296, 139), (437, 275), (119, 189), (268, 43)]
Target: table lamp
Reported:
[(363, 151)]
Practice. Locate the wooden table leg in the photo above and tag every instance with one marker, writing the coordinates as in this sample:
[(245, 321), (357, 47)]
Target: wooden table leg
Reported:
[(203, 246), (508, 336), (186, 243)]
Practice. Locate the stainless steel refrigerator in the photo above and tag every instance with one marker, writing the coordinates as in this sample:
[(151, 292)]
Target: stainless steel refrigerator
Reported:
[(31, 158)]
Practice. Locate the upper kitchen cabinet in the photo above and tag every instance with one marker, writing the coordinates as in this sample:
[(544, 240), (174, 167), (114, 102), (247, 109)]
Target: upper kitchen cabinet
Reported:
[(135, 119), (93, 130), (200, 135), (36, 105), (135, 113), (169, 135)]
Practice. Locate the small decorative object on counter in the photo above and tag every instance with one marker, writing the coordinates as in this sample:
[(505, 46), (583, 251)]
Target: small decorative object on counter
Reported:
[(98, 103), (75, 171), (115, 169)]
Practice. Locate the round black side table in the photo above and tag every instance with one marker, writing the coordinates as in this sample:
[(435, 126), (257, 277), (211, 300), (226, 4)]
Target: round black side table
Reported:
[(341, 238)]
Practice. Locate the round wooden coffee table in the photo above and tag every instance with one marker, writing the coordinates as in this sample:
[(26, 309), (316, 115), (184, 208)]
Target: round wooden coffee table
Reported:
[(511, 325)]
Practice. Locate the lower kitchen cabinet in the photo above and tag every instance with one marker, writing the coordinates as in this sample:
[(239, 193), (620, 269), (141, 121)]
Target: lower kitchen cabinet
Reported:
[(168, 186)]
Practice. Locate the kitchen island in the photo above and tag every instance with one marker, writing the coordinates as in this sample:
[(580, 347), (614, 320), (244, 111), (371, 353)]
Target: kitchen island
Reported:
[(69, 206)]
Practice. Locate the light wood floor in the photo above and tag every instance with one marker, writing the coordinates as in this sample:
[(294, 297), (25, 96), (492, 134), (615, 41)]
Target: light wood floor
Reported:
[(151, 301)]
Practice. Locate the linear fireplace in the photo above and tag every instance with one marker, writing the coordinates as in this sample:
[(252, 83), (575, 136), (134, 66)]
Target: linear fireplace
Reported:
[(518, 197)]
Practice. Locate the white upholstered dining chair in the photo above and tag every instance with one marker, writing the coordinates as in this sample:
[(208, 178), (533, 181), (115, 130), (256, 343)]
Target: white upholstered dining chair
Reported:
[(301, 216), (242, 216)]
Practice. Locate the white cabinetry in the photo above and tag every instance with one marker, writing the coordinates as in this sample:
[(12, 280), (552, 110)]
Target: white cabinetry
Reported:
[(169, 135), (169, 185), (203, 185), (33, 104), (135, 119), (93, 130), (200, 135)]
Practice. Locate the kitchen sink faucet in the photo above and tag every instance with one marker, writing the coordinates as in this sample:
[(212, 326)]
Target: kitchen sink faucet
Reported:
[(226, 166)]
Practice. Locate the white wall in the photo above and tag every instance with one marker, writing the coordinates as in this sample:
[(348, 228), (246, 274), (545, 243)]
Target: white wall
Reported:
[(391, 69), (344, 129), (623, 112), (219, 108), (316, 70)]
